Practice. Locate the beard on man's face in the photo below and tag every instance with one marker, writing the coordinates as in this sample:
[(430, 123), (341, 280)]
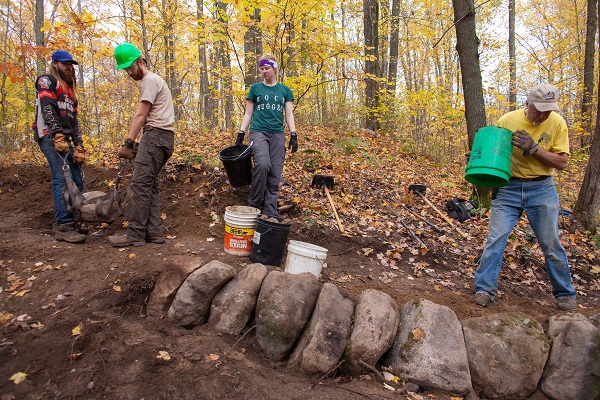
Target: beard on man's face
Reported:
[(67, 74)]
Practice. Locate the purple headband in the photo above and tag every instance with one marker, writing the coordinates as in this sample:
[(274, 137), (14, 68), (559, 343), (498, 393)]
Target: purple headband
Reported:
[(270, 63)]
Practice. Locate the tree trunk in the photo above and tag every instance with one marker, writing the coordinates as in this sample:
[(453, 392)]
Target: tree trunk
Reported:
[(144, 34), (3, 105), (588, 70), (23, 63), (588, 201), (39, 35), (512, 58), (80, 79), (252, 49), (370, 24), (222, 57), (394, 39), (466, 45), (169, 10), (205, 103)]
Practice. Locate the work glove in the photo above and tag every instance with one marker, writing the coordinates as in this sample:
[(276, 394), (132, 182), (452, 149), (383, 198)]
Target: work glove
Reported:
[(126, 150), (60, 145), (524, 141), (240, 138), (79, 155), (293, 145), (135, 149)]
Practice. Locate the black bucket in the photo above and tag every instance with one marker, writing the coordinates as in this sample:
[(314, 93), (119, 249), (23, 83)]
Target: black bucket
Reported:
[(238, 164), (269, 242)]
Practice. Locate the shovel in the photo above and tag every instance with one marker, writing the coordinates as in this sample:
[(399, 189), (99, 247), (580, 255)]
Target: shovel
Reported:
[(420, 190), (326, 182)]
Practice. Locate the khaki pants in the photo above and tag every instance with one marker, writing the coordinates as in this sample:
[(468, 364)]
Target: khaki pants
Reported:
[(155, 149)]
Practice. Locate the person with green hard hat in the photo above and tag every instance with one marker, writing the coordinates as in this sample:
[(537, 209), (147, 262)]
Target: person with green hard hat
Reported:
[(155, 117)]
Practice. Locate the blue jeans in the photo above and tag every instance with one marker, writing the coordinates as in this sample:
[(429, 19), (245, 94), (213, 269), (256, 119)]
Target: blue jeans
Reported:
[(56, 163), (540, 202)]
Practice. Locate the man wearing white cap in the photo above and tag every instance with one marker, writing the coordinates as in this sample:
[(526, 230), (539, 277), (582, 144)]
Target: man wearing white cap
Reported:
[(540, 146)]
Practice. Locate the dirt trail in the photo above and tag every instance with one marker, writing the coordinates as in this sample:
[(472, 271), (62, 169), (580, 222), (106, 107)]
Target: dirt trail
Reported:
[(55, 287)]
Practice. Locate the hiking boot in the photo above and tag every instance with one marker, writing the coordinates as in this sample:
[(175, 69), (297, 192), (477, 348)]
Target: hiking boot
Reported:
[(483, 299), (566, 304), (81, 227), (155, 239), (124, 240), (68, 233)]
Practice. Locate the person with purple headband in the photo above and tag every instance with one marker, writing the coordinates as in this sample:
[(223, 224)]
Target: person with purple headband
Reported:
[(266, 104)]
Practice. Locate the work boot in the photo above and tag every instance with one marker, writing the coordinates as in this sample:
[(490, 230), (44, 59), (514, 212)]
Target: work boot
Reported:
[(124, 240), (483, 299), (81, 227), (68, 233), (155, 239), (566, 304)]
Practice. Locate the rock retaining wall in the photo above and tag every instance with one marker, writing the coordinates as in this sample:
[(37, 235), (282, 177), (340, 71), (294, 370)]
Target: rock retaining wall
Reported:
[(502, 356)]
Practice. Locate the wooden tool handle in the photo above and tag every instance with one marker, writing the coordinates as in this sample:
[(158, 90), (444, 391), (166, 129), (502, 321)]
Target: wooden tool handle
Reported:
[(341, 228), (448, 220)]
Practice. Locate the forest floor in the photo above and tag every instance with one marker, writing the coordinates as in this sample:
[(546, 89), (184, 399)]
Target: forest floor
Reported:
[(73, 316)]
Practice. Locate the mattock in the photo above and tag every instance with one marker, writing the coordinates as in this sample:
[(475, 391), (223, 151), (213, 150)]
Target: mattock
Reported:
[(420, 190)]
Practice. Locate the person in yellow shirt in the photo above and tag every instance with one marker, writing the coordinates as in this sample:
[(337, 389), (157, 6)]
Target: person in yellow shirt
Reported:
[(540, 147)]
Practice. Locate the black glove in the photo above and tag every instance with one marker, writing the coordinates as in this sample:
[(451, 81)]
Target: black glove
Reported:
[(524, 141), (240, 138), (293, 142), (135, 149)]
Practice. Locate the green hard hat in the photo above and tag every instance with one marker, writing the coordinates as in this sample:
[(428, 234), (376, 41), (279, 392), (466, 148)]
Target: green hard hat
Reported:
[(126, 54)]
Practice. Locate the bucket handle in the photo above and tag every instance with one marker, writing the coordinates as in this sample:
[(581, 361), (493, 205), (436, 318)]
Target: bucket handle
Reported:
[(245, 151)]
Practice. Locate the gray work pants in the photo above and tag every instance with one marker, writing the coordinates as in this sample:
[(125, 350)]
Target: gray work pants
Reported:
[(268, 152), (155, 148)]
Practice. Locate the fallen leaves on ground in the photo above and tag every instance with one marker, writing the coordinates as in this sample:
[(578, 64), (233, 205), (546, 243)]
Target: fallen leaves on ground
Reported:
[(18, 377)]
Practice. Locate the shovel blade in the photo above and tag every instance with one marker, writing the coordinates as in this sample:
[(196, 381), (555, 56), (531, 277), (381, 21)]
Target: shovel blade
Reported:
[(319, 181)]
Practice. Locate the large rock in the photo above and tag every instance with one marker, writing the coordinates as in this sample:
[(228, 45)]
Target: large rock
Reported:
[(324, 339), (99, 206), (507, 354), (284, 305), (176, 271), (572, 369), (233, 306), (429, 349), (376, 319), (191, 305)]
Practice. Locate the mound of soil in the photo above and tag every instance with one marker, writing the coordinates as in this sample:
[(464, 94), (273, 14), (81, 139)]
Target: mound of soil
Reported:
[(72, 317)]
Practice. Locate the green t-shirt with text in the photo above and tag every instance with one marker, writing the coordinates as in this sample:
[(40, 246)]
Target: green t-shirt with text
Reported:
[(269, 104)]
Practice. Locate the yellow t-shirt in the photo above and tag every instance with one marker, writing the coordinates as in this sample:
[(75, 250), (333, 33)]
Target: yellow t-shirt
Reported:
[(551, 135)]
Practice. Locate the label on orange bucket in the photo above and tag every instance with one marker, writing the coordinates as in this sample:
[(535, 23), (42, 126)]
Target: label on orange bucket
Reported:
[(238, 240)]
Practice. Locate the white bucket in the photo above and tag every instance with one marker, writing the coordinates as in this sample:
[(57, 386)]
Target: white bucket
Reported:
[(239, 229), (304, 257)]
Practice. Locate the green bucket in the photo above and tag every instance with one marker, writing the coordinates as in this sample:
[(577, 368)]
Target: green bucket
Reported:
[(489, 164)]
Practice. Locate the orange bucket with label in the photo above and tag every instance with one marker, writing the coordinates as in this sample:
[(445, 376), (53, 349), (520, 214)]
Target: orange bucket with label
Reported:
[(240, 222)]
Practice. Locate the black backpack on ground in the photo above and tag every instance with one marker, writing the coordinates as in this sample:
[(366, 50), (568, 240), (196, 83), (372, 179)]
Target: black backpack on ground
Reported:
[(460, 209)]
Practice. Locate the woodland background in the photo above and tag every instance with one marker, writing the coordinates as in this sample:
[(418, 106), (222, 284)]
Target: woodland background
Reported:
[(389, 66)]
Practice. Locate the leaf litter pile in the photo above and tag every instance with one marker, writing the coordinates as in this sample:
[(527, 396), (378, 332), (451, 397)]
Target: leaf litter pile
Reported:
[(72, 317)]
